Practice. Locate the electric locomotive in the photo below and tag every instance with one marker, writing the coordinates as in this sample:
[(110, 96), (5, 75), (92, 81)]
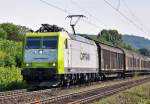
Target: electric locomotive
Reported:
[(54, 57)]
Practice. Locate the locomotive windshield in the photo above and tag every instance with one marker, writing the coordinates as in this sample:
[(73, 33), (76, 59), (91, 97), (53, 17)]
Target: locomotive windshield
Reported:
[(49, 43), (33, 43), (41, 42)]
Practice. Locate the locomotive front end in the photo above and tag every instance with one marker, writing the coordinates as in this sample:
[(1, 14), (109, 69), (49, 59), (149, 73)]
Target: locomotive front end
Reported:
[(43, 57)]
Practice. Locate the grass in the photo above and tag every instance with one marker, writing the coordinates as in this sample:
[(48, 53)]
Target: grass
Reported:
[(136, 95)]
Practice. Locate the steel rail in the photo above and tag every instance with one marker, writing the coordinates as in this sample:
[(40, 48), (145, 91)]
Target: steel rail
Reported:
[(90, 95), (106, 93), (10, 93)]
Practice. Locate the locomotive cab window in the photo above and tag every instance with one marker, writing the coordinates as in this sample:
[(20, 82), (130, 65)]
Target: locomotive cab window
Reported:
[(41, 42), (33, 43), (50, 42)]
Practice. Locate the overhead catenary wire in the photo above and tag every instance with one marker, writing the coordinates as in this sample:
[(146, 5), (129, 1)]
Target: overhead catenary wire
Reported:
[(90, 23), (125, 17), (118, 6), (54, 6), (133, 14), (89, 14), (93, 24), (67, 12), (129, 10)]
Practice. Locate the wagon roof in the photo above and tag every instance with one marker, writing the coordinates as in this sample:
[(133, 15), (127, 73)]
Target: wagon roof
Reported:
[(113, 49)]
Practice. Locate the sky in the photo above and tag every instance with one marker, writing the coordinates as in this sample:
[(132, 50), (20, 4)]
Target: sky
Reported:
[(99, 15)]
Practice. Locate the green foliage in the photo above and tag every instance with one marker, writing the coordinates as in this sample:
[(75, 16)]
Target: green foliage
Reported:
[(144, 51), (2, 58), (11, 56), (13, 32), (10, 53), (3, 33), (6, 59), (112, 37), (11, 29), (10, 78)]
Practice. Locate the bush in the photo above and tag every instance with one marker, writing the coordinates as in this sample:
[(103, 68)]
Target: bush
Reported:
[(6, 59), (3, 33), (11, 53), (12, 31), (2, 58), (10, 78)]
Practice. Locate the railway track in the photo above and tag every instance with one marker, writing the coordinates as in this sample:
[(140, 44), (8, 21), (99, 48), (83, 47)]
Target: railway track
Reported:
[(11, 93), (17, 96), (91, 95), (16, 93), (57, 95)]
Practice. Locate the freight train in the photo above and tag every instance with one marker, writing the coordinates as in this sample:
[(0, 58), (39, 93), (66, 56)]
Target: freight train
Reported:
[(52, 56)]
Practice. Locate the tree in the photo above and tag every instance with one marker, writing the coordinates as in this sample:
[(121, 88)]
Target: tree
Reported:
[(112, 37), (23, 29), (144, 51), (10, 53), (11, 31), (3, 33)]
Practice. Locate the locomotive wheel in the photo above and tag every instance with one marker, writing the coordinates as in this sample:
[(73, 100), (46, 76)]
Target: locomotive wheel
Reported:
[(62, 83), (103, 77)]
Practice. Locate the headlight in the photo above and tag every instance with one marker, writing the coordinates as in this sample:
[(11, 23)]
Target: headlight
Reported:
[(54, 64), (28, 64), (40, 52), (35, 52)]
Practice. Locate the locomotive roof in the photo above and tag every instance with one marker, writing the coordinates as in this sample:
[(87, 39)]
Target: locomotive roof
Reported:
[(81, 39)]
